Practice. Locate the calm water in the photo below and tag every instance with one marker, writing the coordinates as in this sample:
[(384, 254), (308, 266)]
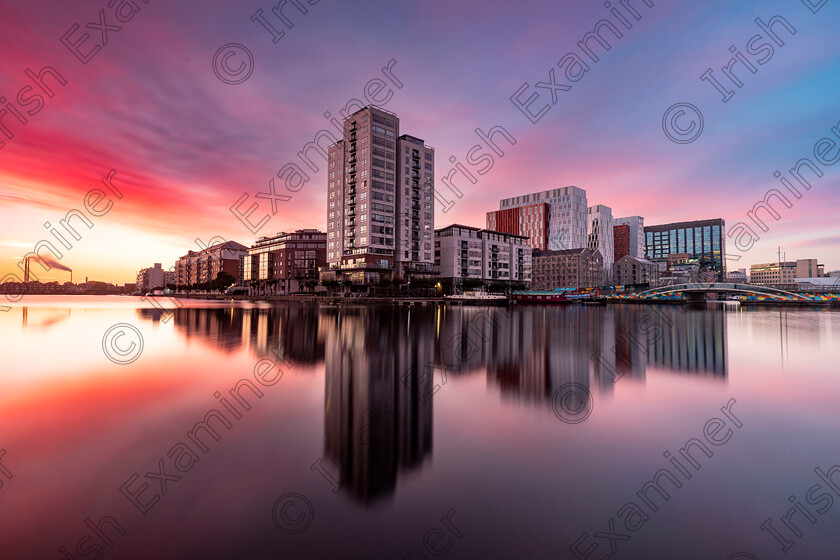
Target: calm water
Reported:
[(380, 432)]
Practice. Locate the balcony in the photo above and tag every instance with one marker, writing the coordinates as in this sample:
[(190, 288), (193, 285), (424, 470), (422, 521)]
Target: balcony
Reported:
[(353, 127), (351, 159), (415, 206), (415, 164), (351, 191), (422, 267)]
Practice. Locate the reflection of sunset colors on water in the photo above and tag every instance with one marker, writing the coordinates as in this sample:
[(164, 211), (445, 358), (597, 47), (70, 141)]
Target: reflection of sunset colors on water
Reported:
[(404, 413)]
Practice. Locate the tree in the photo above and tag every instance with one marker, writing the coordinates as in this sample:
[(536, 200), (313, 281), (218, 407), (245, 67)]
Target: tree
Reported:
[(472, 283), (331, 285), (497, 287), (223, 280)]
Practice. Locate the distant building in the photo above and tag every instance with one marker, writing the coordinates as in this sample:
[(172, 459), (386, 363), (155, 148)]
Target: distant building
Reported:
[(286, 260), (565, 226), (819, 284), (737, 276), (464, 252), (569, 268), (129, 288), (633, 270), (149, 279), (704, 241), (621, 241), (783, 273), (808, 268), (600, 232), (530, 220), (199, 267), (629, 236)]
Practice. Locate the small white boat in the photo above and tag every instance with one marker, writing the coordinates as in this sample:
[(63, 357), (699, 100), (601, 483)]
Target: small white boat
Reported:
[(477, 296)]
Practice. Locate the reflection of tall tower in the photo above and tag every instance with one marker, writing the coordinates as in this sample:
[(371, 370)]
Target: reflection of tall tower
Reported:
[(379, 387), (689, 340)]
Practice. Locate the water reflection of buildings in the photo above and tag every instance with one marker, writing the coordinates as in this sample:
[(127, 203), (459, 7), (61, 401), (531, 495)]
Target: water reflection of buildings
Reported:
[(379, 386), (530, 352), (691, 341), (289, 331), (382, 363)]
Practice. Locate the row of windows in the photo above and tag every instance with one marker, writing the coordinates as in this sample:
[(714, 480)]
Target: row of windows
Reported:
[(380, 152), (380, 130), (383, 121)]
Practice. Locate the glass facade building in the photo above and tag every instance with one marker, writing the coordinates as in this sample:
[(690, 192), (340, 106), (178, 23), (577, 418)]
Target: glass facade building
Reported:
[(702, 242)]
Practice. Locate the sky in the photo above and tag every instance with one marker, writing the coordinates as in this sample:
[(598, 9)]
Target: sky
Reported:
[(185, 146)]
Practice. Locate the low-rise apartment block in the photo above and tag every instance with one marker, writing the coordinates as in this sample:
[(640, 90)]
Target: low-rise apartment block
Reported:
[(286, 261), (199, 267), (465, 252)]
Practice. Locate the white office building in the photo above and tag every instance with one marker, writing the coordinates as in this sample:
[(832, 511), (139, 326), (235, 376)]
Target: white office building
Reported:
[(600, 235), (567, 219)]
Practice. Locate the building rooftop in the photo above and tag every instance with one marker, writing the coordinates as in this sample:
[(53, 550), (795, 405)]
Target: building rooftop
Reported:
[(539, 253), (478, 229)]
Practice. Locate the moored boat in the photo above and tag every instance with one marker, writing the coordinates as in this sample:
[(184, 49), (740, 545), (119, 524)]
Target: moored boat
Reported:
[(477, 296), (537, 296)]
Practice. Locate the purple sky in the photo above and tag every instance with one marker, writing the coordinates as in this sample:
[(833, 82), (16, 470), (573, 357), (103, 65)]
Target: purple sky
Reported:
[(186, 146)]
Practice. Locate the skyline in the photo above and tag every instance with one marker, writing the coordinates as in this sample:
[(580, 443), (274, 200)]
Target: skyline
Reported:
[(185, 146)]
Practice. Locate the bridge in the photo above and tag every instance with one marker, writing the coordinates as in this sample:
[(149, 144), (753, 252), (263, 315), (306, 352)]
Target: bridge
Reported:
[(698, 292)]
